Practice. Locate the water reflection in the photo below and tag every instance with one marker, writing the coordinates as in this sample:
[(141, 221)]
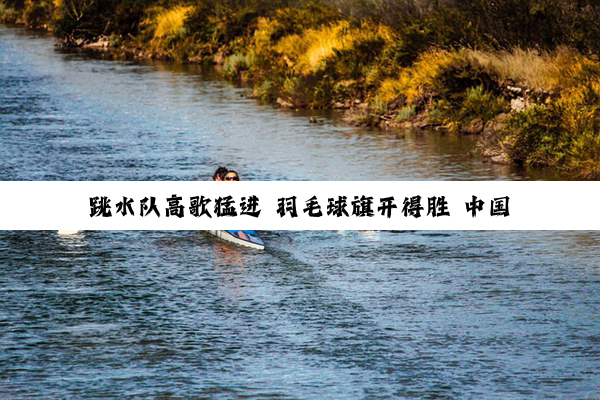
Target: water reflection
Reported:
[(73, 240)]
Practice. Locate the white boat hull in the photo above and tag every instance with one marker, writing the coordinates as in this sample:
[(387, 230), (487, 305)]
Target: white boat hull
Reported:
[(254, 242)]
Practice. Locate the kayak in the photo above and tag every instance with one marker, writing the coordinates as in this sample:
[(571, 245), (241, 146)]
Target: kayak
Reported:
[(252, 241)]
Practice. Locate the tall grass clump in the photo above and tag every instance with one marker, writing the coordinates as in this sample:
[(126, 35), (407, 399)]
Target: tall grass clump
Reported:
[(165, 34), (538, 70), (169, 23), (527, 67)]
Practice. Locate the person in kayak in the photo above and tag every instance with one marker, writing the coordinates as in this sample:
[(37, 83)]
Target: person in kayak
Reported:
[(231, 175), (220, 173)]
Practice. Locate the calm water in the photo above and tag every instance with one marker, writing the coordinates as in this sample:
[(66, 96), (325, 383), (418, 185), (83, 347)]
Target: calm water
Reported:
[(320, 314), (66, 116)]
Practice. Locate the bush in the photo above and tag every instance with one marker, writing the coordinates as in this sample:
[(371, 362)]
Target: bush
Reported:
[(563, 134), (8, 13), (38, 14), (235, 64)]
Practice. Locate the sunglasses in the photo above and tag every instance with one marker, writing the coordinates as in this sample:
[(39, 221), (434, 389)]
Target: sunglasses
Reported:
[(232, 178)]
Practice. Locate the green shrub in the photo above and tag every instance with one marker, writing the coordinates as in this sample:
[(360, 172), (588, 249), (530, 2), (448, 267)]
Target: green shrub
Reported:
[(479, 103), (235, 64)]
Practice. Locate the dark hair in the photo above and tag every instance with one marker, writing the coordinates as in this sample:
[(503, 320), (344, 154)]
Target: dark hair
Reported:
[(220, 172)]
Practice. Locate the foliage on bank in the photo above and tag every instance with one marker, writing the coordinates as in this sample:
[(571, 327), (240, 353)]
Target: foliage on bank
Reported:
[(524, 72)]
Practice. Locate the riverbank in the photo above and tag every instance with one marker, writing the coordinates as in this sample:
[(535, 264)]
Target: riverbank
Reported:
[(531, 107)]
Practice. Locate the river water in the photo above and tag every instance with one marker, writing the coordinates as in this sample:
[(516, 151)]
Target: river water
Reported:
[(91, 119), (318, 315)]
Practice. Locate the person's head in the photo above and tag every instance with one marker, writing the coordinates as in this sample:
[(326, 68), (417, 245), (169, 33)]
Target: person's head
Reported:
[(231, 175), (220, 173)]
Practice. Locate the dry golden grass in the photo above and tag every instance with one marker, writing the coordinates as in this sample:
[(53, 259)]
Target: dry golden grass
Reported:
[(307, 51), (562, 69), (413, 81), (170, 22), (538, 70), (529, 68)]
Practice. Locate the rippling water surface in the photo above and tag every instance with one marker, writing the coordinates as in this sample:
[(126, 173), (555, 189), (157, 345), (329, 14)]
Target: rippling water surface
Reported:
[(66, 116), (319, 314)]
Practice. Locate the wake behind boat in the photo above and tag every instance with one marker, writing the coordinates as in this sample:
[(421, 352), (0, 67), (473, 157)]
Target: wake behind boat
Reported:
[(247, 240)]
